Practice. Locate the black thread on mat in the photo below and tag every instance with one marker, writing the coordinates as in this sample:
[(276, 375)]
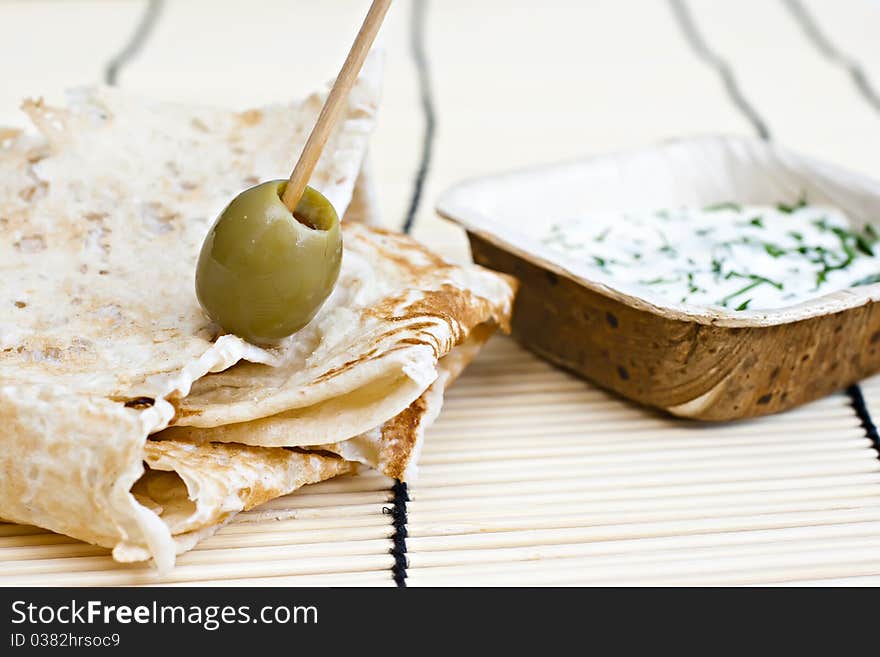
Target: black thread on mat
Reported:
[(398, 516), (723, 69), (420, 58), (417, 44), (704, 52), (832, 53), (861, 408), (824, 45), (138, 38)]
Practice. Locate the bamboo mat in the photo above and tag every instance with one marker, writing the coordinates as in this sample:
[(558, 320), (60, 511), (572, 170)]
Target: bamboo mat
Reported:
[(530, 476), (549, 480), (328, 534)]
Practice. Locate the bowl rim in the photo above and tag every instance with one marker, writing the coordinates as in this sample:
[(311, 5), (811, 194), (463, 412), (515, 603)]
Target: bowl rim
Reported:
[(451, 206)]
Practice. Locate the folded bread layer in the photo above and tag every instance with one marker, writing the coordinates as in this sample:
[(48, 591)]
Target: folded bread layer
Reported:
[(394, 447), (103, 211)]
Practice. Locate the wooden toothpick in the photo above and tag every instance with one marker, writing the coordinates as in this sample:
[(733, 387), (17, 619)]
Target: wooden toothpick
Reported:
[(302, 172)]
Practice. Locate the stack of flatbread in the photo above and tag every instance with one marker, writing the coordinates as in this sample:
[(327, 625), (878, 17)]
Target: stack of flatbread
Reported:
[(127, 419)]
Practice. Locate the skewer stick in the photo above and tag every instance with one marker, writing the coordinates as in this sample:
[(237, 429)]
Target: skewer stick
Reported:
[(302, 172)]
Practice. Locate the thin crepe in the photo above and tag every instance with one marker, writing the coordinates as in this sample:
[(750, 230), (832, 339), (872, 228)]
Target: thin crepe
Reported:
[(103, 343), (392, 447)]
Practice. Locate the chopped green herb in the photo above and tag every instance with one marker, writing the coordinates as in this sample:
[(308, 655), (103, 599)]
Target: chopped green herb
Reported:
[(822, 224), (864, 246), (773, 250), (750, 286), (743, 290), (660, 281), (754, 278), (845, 236), (723, 206), (813, 244), (667, 248), (867, 280), (867, 240), (557, 238), (778, 286), (788, 209)]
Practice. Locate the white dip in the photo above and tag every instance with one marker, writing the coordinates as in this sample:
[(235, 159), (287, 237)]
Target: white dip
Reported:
[(738, 257)]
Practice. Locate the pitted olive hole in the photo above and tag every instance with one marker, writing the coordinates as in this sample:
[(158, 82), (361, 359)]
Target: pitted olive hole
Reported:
[(304, 220), (306, 212), (264, 270)]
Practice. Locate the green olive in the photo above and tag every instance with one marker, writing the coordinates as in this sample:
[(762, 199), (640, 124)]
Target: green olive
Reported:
[(263, 271)]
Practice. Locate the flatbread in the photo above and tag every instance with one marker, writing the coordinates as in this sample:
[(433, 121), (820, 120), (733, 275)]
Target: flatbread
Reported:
[(103, 344), (364, 206), (394, 447), (197, 487), (369, 353)]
